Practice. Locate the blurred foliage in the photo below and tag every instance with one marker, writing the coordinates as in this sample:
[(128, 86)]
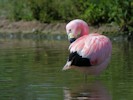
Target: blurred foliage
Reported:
[(20, 10), (94, 12), (53, 10)]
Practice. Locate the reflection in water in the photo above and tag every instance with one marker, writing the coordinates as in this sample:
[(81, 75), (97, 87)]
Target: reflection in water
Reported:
[(31, 70), (93, 91), (38, 50)]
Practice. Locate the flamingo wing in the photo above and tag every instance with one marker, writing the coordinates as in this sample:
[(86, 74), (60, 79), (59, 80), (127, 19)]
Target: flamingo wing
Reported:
[(96, 47)]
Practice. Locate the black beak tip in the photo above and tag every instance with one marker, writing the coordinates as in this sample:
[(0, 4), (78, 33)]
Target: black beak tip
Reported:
[(72, 40)]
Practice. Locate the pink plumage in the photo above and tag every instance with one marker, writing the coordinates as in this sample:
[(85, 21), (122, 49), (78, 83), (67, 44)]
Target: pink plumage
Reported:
[(94, 46)]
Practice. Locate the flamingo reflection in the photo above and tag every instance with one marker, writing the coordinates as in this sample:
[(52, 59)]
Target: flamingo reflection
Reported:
[(93, 91)]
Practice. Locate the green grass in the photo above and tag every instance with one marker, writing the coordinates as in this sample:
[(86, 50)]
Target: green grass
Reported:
[(93, 12)]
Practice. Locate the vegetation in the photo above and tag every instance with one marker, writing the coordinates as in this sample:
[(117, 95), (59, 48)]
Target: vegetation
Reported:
[(95, 12)]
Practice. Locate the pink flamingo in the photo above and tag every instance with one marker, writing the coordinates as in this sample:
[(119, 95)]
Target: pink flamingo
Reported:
[(89, 53)]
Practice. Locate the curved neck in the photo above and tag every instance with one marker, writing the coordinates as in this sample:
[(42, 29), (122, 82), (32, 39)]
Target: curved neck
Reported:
[(85, 29)]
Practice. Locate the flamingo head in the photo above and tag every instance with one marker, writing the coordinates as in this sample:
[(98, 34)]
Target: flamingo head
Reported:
[(75, 29)]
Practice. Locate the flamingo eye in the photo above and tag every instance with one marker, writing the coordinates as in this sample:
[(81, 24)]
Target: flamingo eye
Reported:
[(69, 30)]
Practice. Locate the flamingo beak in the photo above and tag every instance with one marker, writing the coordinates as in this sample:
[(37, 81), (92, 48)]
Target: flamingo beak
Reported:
[(72, 40), (71, 37), (67, 66)]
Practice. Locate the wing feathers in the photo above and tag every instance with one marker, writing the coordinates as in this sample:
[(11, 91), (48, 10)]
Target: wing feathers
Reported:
[(96, 47)]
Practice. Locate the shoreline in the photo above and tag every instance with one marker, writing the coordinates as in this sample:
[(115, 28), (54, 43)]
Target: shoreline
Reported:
[(36, 30), (7, 26)]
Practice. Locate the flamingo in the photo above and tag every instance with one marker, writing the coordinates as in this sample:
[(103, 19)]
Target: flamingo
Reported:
[(89, 53)]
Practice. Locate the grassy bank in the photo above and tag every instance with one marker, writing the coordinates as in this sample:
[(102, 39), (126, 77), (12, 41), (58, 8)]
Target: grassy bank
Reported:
[(98, 13), (7, 26), (37, 30)]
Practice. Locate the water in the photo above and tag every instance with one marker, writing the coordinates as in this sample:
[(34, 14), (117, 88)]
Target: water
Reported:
[(31, 70)]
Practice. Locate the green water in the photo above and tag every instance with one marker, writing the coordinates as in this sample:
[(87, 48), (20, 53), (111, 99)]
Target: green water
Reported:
[(31, 70)]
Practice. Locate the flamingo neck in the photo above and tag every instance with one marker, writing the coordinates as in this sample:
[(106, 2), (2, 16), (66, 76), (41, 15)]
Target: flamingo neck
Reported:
[(84, 30), (84, 33)]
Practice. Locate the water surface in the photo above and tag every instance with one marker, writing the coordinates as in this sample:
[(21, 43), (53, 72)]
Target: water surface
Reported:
[(31, 70)]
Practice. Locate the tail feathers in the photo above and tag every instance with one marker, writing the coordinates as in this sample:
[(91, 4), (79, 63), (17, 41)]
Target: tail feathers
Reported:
[(67, 66), (78, 60)]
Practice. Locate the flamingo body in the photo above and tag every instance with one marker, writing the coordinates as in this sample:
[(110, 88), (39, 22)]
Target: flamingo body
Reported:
[(94, 47)]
